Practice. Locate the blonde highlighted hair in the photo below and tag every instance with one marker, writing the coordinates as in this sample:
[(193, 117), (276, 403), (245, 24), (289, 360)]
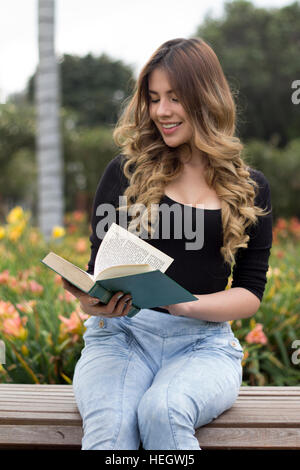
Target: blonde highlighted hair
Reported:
[(196, 75)]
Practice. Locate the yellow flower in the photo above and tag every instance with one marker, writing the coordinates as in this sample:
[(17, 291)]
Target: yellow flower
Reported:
[(269, 272), (24, 350), (297, 287), (15, 215), (58, 231), (16, 231), (245, 357), (271, 293), (2, 232)]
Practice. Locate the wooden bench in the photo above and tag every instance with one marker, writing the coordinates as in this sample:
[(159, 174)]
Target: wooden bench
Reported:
[(46, 416)]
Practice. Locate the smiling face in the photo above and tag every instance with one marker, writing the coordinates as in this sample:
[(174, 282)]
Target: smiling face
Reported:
[(166, 110)]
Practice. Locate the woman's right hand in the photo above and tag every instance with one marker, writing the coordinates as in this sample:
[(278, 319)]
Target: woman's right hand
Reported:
[(92, 305)]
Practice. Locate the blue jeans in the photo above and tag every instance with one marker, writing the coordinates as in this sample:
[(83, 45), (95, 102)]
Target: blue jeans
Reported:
[(154, 378)]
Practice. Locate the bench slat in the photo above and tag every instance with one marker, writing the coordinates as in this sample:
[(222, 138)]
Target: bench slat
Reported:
[(248, 438), (39, 418), (244, 389), (237, 416), (41, 435)]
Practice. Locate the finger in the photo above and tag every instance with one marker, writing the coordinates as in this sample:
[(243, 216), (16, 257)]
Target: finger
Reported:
[(111, 306), (127, 309), (92, 301), (107, 310), (123, 303)]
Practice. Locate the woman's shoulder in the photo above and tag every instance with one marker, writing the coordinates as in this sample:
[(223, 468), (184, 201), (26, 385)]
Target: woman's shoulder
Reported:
[(258, 176), (116, 163), (113, 172), (263, 194)]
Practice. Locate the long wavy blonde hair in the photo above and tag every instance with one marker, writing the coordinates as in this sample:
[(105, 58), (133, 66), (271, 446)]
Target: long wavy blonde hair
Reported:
[(194, 71)]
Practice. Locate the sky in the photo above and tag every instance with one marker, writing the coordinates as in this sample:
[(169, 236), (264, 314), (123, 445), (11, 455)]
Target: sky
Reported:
[(128, 30)]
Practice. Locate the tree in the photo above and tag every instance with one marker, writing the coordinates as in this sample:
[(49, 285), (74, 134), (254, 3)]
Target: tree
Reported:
[(50, 178), (259, 52), (93, 87)]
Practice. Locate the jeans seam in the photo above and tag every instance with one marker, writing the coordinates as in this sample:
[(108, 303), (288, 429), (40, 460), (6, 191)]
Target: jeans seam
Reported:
[(169, 411), (122, 395), (212, 399)]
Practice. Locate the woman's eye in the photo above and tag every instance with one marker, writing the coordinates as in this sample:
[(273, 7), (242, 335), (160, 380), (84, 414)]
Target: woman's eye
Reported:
[(156, 101)]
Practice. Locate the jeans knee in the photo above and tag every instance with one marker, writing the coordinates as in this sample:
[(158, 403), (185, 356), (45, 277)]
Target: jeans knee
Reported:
[(162, 424), (152, 410)]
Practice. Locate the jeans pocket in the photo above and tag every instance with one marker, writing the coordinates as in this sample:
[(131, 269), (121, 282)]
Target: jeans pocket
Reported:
[(228, 344), (234, 347)]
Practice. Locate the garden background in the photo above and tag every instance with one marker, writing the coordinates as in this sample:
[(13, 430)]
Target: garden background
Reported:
[(41, 324)]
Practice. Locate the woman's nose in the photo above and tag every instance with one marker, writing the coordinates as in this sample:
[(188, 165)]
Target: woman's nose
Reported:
[(164, 108)]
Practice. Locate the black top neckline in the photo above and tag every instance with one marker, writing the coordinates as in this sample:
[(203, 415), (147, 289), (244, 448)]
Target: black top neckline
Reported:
[(180, 203)]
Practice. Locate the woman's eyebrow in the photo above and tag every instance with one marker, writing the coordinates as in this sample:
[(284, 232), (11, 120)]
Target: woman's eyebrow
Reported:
[(155, 92)]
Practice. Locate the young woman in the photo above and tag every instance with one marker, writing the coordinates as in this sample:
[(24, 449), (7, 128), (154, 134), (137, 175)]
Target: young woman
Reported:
[(155, 378)]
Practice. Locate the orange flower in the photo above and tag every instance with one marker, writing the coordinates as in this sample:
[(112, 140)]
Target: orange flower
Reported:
[(35, 287), (81, 245), (257, 335), (73, 325), (78, 216), (7, 309), (281, 224), (14, 326), (245, 357), (295, 226), (71, 229), (57, 279), (27, 306), (4, 277)]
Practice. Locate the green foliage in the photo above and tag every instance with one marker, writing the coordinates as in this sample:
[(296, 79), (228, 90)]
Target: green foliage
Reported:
[(282, 169), (93, 87), (259, 52), (87, 152), (17, 161)]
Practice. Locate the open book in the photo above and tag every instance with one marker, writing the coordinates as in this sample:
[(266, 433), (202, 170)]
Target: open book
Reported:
[(126, 263)]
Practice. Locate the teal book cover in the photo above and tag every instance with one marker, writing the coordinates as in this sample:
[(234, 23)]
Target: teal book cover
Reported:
[(148, 290)]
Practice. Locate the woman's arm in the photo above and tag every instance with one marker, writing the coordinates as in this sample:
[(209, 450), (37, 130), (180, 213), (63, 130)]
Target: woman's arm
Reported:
[(231, 304)]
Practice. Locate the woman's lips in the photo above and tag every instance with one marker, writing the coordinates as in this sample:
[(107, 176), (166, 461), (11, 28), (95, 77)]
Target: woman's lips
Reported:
[(171, 130)]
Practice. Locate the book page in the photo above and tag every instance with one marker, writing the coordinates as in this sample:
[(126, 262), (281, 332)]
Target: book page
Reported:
[(119, 246), (69, 271)]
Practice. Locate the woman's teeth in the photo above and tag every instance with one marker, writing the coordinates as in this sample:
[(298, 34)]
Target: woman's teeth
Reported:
[(169, 126)]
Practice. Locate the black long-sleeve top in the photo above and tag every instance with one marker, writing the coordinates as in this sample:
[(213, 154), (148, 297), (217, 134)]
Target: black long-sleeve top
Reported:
[(200, 271)]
